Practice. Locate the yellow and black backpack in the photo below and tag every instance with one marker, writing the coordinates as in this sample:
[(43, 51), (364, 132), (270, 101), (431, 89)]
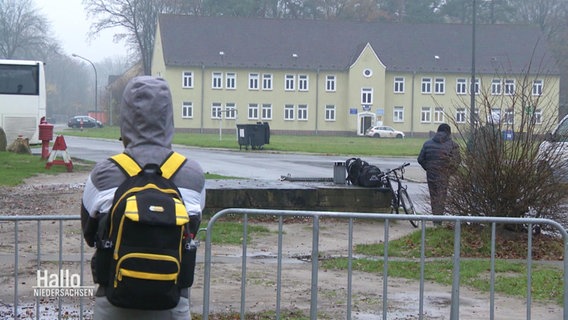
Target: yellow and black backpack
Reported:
[(145, 255)]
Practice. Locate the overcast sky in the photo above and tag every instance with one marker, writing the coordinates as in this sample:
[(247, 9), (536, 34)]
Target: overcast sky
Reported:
[(70, 26)]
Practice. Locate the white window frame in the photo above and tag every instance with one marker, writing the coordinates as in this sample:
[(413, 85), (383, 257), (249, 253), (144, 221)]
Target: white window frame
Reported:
[(252, 111), (439, 85), (302, 112), (461, 86), (426, 85), (366, 96), (496, 87), (289, 112), (509, 87), (266, 111), (267, 81), (216, 80), (439, 115), (509, 116), (187, 79), (253, 81), (216, 111), (398, 86), (461, 115), (330, 83), (398, 114), (289, 82), (476, 86), (187, 110), (537, 87), (495, 116), (426, 115), (230, 111), (303, 82), (330, 112), (231, 80), (537, 116)]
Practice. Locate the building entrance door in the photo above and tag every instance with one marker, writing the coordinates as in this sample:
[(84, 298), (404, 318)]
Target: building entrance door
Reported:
[(365, 121)]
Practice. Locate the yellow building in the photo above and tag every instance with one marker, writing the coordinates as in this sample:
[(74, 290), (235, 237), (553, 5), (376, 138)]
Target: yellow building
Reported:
[(341, 77)]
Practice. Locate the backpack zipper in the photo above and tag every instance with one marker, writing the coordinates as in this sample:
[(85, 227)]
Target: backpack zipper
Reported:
[(120, 272)]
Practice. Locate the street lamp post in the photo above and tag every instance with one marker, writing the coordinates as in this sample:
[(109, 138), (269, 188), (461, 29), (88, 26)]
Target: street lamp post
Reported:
[(96, 82)]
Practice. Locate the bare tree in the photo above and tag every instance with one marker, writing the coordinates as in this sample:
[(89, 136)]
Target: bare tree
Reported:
[(502, 172), (137, 19), (23, 30)]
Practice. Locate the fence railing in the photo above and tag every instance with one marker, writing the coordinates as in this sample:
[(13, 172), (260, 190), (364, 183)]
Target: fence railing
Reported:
[(46, 240), (27, 251), (387, 218)]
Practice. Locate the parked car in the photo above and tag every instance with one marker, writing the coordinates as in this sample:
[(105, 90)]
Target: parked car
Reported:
[(88, 122), (384, 132), (553, 151)]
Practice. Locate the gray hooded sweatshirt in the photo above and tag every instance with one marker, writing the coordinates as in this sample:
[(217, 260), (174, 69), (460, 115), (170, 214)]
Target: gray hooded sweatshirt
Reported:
[(147, 129)]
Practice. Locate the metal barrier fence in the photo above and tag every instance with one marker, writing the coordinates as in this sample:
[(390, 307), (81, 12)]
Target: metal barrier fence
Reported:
[(23, 227), (23, 247), (315, 218)]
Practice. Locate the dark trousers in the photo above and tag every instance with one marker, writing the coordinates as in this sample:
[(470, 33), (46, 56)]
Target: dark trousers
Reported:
[(438, 193)]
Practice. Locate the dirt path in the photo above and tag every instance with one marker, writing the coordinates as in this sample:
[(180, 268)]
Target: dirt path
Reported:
[(60, 195)]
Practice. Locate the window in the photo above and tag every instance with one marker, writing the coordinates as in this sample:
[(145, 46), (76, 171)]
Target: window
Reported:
[(330, 112), (187, 79), (537, 88), (509, 116), (187, 109), (496, 87), (461, 86), (216, 110), (398, 85), (366, 96), (217, 80), (302, 112), (495, 116), (267, 81), (398, 114), (426, 85), (476, 86), (231, 80), (289, 80), (303, 82), (266, 111), (439, 86), (438, 114), (537, 116), (426, 115), (230, 111), (252, 111), (253, 81), (289, 112), (461, 115), (509, 87), (330, 83)]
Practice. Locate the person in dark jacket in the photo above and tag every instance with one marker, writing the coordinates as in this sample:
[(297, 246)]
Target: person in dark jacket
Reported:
[(147, 129), (440, 157)]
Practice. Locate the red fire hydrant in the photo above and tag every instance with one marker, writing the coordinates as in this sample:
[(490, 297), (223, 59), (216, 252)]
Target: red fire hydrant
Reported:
[(45, 135)]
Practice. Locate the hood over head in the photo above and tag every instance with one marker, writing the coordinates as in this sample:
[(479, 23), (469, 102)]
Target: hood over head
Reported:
[(146, 114)]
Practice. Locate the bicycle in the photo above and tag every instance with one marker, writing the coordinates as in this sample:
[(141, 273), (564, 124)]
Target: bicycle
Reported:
[(400, 200)]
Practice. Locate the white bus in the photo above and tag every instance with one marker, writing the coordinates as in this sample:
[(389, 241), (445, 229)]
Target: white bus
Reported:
[(22, 98)]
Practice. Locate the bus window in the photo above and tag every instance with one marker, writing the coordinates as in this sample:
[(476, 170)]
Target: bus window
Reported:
[(22, 99)]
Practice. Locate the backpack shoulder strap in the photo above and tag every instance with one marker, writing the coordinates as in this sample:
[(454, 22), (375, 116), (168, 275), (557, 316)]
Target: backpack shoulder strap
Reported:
[(172, 164), (127, 164)]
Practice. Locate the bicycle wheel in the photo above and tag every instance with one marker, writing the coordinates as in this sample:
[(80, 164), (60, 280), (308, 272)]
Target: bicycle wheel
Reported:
[(407, 205)]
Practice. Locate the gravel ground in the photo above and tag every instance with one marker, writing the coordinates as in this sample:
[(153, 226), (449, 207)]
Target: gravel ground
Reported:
[(60, 195)]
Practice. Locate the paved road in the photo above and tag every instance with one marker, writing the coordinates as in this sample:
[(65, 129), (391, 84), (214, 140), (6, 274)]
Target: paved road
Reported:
[(254, 164)]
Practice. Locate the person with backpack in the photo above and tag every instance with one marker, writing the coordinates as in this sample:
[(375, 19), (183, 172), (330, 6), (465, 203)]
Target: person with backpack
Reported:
[(141, 210), (440, 157)]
